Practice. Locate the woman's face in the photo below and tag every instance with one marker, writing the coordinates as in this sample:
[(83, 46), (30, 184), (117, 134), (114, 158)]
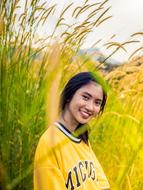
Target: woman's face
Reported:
[(86, 103)]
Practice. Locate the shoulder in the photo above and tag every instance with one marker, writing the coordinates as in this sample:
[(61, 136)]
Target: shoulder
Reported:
[(47, 147), (51, 137)]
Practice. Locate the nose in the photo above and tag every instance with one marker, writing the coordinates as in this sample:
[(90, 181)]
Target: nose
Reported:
[(90, 106)]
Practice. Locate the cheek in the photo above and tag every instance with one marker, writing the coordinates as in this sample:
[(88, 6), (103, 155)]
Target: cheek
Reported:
[(77, 102), (73, 106), (97, 110)]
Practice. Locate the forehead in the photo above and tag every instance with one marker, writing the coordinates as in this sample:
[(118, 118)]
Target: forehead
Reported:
[(92, 88)]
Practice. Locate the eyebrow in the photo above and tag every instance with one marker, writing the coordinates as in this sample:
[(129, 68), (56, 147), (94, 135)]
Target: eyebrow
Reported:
[(100, 100)]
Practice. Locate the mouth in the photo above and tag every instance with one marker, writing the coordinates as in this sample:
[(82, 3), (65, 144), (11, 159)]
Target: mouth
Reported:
[(85, 114)]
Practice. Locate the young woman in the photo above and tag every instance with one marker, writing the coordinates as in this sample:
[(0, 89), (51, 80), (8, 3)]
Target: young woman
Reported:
[(64, 159)]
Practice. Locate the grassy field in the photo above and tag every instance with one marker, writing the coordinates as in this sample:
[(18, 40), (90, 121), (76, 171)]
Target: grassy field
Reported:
[(31, 79), (117, 137)]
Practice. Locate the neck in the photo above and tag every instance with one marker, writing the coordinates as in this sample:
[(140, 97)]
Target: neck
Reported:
[(68, 122)]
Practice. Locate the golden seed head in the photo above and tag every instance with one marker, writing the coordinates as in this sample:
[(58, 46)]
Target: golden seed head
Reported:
[(1, 25)]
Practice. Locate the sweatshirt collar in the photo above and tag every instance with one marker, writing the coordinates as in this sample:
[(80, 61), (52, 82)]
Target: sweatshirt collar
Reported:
[(62, 128)]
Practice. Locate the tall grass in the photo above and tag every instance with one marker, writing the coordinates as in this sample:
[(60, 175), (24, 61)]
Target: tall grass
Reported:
[(117, 137), (33, 72), (31, 78)]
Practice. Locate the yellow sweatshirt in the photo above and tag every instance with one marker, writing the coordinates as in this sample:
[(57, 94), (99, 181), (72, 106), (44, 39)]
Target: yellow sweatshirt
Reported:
[(65, 162)]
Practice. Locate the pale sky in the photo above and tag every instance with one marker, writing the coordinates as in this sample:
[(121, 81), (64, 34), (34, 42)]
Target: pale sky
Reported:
[(127, 19)]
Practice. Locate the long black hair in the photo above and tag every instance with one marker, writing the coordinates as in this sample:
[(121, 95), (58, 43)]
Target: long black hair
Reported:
[(73, 85)]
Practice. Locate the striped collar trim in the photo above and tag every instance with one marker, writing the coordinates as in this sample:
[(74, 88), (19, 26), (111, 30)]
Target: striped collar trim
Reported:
[(62, 128)]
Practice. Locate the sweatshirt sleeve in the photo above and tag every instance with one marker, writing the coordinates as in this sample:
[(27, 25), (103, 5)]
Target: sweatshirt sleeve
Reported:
[(47, 175), (101, 177)]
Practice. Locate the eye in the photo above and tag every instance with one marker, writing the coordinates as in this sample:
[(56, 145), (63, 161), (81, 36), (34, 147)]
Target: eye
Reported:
[(98, 103), (85, 97)]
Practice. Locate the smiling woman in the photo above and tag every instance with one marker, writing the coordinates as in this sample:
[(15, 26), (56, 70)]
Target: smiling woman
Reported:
[(65, 160), (85, 104)]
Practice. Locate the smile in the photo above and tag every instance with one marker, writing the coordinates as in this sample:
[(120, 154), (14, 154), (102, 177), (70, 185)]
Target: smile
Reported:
[(85, 114)]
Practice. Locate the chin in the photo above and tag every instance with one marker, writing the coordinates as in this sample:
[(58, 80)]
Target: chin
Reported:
[(83, 121)]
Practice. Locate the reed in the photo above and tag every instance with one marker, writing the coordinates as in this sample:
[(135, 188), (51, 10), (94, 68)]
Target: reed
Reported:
[(32, 73)]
